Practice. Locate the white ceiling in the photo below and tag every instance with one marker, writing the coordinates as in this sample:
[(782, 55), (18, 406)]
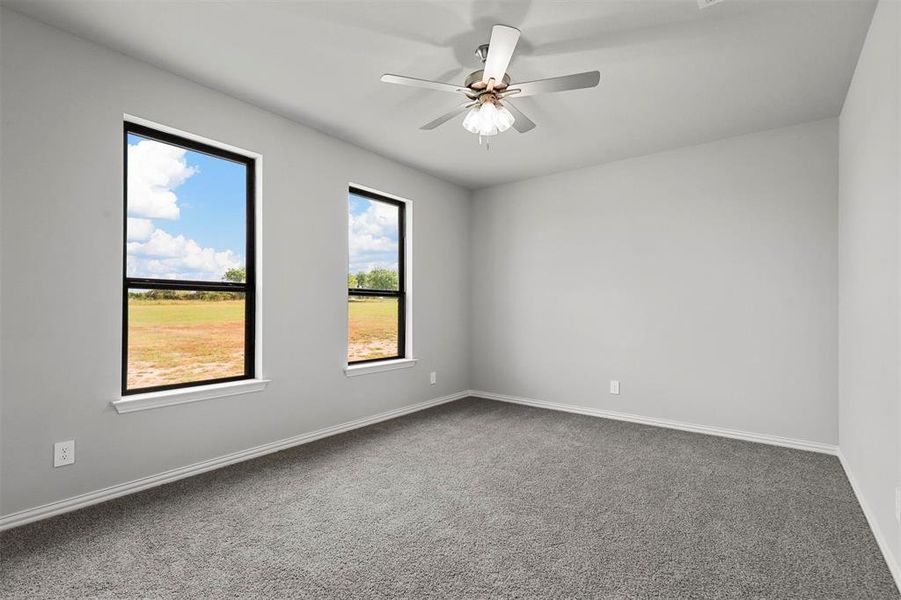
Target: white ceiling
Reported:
[(671, 74)]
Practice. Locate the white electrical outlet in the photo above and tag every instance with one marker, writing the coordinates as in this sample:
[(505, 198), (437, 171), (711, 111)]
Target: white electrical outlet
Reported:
[(63, 453), (898, 505), (614, 386), (433, 378)]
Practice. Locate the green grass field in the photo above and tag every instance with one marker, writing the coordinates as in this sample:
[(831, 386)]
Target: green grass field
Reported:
[(179, 341)]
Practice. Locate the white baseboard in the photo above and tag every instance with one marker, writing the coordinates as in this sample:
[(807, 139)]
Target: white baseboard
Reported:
[(63, 506), (82, 500), (890, 559), (748, 436)]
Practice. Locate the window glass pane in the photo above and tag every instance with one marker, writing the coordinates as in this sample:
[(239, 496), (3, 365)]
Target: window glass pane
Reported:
[(374, 249), (371, 328), (182, 337), (186, 213)]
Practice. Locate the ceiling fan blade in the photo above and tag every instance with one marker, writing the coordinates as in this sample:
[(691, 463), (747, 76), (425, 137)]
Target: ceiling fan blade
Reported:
[(500, 51), (422, 83), (448, 116), (522, 123), (579, 81)]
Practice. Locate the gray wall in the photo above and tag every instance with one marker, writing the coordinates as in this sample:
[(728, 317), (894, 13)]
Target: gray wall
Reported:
[(704, 279), (63, 101), (869, 195)]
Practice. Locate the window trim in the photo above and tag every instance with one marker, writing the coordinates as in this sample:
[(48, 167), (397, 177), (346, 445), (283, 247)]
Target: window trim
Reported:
[(366, 368), (166, 135), (403, 294), (151, 400)]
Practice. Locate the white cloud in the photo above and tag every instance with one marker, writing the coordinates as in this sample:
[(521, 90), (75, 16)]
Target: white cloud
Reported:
[(365, 265), (373, 238), (154, 171), (377, 221), (139, 230), (366, 242), (166, 256)]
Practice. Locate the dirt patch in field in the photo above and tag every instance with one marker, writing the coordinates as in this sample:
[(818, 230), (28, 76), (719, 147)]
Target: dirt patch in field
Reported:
[(184, 342)]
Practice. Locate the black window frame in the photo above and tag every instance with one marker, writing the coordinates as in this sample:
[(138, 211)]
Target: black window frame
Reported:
[(401, 292), (248, 288)]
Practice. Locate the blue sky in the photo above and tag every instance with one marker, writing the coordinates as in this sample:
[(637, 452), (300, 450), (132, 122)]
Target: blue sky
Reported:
[(372, 234), (214, 203), (186, 212)]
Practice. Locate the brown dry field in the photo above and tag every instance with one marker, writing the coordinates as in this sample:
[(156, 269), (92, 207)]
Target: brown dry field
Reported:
[(182, 341)]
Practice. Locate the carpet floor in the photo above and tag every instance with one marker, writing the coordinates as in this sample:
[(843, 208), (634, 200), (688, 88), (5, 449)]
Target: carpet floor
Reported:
[(473, 499)]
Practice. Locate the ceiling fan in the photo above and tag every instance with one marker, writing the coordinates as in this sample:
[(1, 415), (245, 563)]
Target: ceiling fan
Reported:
[(487, 91)]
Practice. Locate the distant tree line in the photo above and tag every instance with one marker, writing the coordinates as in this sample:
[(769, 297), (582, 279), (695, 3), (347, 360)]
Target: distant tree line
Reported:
[(206, 296), (376, 279), (235, 275)]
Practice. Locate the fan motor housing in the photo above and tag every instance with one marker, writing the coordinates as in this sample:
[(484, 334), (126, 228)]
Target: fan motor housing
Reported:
[(474, 81)]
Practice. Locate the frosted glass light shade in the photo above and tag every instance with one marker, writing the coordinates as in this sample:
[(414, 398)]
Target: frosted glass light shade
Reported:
[(472, 120), (488, 119), (504, 118)]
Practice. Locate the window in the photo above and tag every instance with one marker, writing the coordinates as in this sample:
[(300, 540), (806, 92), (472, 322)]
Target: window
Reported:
[(376, 289), (188, 286)]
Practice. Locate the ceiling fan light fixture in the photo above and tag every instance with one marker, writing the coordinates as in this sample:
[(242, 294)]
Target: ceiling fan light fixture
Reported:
[(488, 119)]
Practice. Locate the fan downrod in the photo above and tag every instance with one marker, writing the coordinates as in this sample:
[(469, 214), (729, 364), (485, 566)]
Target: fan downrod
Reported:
[(482, 52)]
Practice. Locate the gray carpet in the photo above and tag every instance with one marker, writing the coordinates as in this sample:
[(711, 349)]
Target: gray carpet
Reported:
[(474, 499)]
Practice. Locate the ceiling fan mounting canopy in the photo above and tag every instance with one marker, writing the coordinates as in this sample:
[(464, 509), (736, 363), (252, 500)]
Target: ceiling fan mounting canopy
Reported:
[(488, 109)]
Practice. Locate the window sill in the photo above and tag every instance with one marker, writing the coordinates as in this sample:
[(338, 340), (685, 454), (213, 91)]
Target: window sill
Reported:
[(151, 400), (378, 367)]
